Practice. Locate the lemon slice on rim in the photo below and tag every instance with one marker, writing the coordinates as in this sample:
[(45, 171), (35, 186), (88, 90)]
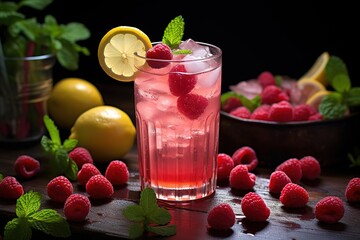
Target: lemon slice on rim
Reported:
[(317, 70), (308, 88), (315, 99), (116, 52)]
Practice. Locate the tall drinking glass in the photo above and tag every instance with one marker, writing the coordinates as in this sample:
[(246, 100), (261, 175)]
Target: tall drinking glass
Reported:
[(177, 105)]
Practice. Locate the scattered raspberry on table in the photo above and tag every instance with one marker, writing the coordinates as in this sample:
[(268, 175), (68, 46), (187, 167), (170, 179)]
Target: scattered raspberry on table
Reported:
[(59, 189), (77, 207), (330, 209), (26, 166), (254, 207), (221, 217), (10, 188)]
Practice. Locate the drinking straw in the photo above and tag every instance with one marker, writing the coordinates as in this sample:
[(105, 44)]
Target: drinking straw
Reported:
[(7, 104)]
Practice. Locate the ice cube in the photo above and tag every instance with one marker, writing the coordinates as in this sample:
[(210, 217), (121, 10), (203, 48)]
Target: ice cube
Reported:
[(152, 88), (167, 103), (208, 79), (146, 110), (198, 50), (193, 65)]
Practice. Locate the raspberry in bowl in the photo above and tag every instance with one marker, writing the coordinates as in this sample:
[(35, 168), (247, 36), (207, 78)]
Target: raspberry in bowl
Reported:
[(280, 118)]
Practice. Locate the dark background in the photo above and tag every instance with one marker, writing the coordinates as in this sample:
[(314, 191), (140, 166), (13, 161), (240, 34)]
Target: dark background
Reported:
[(282, 37)]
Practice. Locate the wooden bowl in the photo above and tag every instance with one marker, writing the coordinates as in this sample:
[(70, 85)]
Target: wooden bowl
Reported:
[(329, 141)]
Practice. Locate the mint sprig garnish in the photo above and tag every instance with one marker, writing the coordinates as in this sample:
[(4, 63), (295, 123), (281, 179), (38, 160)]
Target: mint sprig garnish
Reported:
[(30, 216), (344, 97), (60, 161), (173, 35), (148, 217), (174, 32)]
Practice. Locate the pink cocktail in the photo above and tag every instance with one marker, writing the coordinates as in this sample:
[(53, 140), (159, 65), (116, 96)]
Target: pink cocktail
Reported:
[(177, 121)]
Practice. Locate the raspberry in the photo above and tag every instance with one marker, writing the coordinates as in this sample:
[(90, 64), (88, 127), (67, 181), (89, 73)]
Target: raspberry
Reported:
[(310, 168), (241, 179), (292, 168), (278, 180), (352, 192), (159, 51), (230, 104), (86, 172), (77, 207), (192, 105), (26, 166), (179, 83), (221, 217), (273, 94), (117, 172), (330, 209), (99, 187), (281, 112), (225, 165), (294, 196), (301, 112), (59, 189), (241, 112), (10, 188), (261, 113), (266, 78), (316, 116), (254, 207), (245, 156), (81, 156)]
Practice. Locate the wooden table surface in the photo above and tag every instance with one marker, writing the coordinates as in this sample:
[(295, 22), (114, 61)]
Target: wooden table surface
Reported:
[(105, 220)]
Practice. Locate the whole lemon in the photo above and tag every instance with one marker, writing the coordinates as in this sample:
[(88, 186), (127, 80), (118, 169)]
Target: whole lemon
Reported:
[(106, 131), (69, 98)]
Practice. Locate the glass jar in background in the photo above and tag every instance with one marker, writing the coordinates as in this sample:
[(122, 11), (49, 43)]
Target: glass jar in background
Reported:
[(25, 86)]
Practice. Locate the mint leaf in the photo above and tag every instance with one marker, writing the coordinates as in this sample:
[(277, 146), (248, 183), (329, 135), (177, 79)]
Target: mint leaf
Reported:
[(335, 66), (48, 37), (148, 201), (74, 32), (174, 32), (28, 203), (136, 230), (53, 130), (18, 229), (62, 158), (225, 96), (341, 83), (160, 216), (36, 4), (167, 230), (70, 144), (278, 80), (332, 107), (182, 51), (50, 222), (72, 170), (352, 98), (1, 177), (147, 215), (134, 213), (250, 104), (60, 162), (48, 145), (47, 220)]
